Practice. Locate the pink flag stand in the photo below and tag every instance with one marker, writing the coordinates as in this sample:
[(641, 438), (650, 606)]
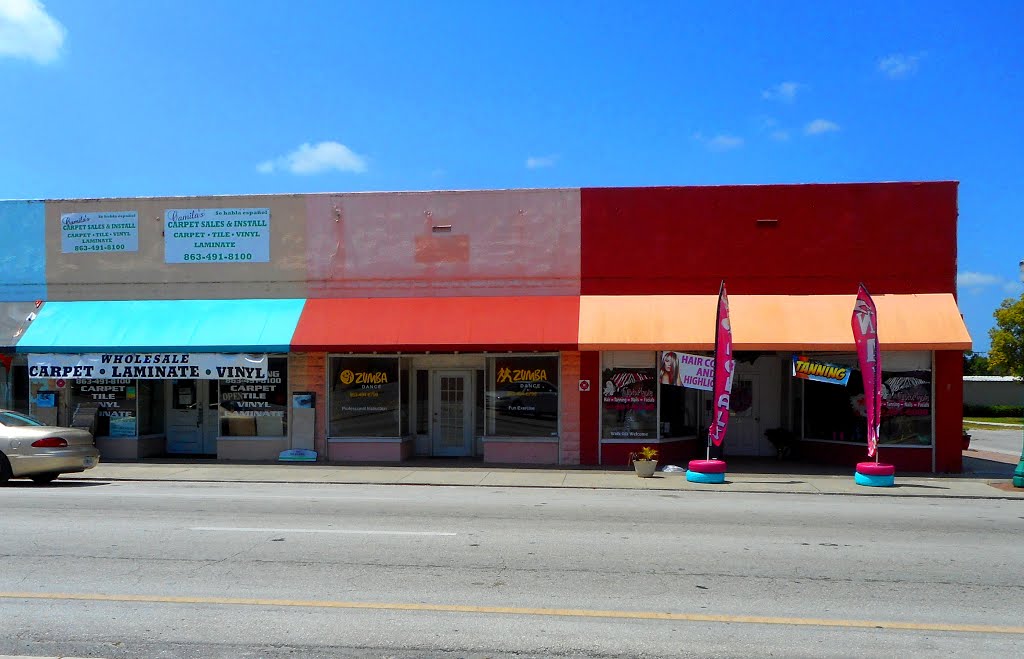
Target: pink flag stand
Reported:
[(708, 470), (869, 357)]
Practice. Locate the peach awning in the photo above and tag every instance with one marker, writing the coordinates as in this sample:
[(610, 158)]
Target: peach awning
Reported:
[(767, 322)]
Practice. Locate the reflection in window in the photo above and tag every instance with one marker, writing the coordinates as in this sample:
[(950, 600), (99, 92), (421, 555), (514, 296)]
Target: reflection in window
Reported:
[(364, 397), (521, 399)]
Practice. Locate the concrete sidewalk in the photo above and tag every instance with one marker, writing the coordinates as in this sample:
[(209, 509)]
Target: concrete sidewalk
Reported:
[(970, 485)]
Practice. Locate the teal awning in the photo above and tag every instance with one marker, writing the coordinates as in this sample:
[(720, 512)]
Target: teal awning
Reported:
[(163, 326), (14, 318)]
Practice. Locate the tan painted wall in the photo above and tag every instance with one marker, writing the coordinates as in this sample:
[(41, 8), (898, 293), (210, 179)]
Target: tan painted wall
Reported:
[(144, 275)]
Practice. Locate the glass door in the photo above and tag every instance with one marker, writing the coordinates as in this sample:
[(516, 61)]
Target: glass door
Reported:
[(452, 414)]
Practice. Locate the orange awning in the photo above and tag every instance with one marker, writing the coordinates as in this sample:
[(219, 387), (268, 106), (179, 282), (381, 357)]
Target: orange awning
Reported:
[(439, 323), (767, 322)]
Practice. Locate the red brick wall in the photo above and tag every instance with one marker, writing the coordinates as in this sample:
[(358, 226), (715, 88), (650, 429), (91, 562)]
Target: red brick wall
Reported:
[(569, 402), (307, 372)]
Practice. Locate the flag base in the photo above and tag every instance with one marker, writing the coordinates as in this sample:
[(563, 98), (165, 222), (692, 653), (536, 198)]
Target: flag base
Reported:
[(875, 474), (706, 471)]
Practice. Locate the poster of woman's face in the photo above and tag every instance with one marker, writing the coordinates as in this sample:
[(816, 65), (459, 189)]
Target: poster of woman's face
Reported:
[(668, 369)]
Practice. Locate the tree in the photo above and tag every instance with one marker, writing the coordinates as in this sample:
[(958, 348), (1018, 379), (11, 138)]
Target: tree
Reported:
[(1007, 352), (976, 363)]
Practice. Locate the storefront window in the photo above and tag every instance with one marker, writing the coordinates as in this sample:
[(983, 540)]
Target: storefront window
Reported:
[(628, 407), (522, 396), (679, 411), (404, 398), (364, 397), (422, 402), (256, 408), (116, 402), (151, 407), (837, 413)]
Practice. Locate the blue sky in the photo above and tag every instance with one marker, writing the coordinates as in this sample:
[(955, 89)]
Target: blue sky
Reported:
[(128, 98)]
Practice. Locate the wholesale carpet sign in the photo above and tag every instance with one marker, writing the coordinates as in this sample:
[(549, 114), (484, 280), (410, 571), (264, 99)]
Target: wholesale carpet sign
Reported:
[(808, 369), (217, 235), (116, 231), (148, 366)]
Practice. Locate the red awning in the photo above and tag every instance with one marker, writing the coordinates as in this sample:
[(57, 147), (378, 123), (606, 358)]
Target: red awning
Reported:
[(439, 323)]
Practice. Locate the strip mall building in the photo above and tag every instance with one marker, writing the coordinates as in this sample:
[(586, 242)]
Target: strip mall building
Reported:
[(565, 326)]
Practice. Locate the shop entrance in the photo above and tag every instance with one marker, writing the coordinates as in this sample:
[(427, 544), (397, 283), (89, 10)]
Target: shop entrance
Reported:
[(754, 406), (192, 417), (452, 427)]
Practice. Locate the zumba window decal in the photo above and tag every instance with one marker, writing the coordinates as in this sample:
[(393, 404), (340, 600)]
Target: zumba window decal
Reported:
[(629, 407), (522, 396), (364, 397)]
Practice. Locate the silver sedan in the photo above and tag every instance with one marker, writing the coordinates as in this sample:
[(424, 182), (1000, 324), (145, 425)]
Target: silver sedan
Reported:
[(32, 449)]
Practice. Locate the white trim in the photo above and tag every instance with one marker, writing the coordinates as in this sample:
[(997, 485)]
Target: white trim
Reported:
[(231, 438), (547, 440), (663, 440), (368, 440)]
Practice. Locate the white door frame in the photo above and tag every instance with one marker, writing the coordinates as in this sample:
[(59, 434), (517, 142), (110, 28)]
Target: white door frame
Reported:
[(439, 406), (202, 413)]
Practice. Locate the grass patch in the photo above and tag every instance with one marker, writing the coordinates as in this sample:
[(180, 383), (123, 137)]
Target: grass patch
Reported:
[(994, 419)]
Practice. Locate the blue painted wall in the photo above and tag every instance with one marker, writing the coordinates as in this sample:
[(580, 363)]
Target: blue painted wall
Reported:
[(22, 251)]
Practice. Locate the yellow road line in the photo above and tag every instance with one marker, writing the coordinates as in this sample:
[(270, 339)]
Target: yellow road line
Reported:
[(508, 610)]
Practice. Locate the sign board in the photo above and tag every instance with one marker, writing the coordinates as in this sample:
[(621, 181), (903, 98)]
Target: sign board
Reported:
[(808, 369), (116, 231), (584, 385), (217, 235), (681, 369), (148, 366)]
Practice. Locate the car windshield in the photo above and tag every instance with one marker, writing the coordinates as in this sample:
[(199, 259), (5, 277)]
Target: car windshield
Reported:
[(15, 419)]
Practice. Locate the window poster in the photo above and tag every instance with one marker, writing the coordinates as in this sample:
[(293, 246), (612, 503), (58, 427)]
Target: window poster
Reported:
[(629, 405), (117, 403)]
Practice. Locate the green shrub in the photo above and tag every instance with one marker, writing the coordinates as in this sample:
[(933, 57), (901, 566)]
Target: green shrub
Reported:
[(993, 411)]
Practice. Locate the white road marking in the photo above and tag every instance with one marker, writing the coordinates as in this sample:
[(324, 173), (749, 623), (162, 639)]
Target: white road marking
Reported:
[(253, 529)]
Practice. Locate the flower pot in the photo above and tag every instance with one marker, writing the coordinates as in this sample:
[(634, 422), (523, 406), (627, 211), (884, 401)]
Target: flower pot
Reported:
[(965, 441), (645, 468)]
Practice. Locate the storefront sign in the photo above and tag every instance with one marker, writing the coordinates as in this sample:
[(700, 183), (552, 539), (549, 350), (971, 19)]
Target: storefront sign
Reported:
[(217, 235), (148, 366), (524, 396), (116, 400), (680, 369), (629, 407), (807, 369), (99, 232), (864, 322)]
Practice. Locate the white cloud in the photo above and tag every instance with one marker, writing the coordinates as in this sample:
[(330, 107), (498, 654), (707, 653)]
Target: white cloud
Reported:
[(720, 142), (28, 32), (819, 126), (780, 135), (899, 65), (536, 162), (784, 91), (316, 159), (978, 282)]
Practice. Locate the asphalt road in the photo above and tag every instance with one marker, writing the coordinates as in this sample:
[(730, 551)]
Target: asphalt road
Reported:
[(233, 570), (997, 441)]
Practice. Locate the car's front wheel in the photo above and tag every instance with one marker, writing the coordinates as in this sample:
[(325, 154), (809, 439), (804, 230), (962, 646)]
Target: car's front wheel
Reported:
[(5, 469), (43, 479)]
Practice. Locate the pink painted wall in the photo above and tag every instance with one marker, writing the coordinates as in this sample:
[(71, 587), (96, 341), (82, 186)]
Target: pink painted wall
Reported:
[(508, 242), (519, 452), (369, 451)]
